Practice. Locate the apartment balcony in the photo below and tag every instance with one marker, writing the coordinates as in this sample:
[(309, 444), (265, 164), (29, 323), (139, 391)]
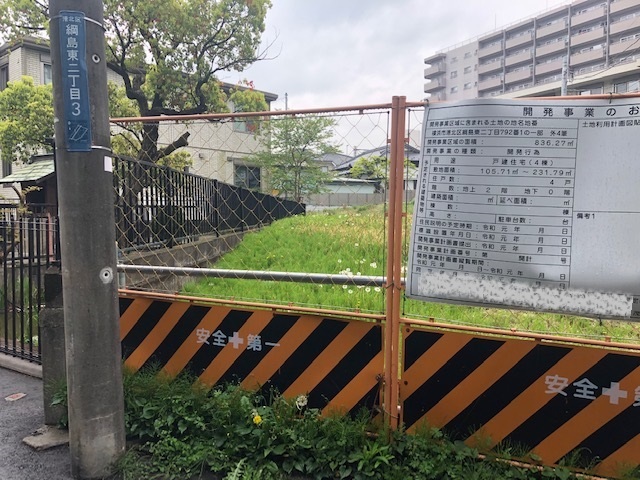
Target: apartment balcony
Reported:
[(590, 16), (519, 58), (550, 48), (625, 26), (549, 67), (490, 67), (519, 40), (597, 34), (620, 6), (435, 70), (436, 58), (586, 57), (553, 29), (519, 76), (490, 50), (489, 83), (620, 47), (435, 85)]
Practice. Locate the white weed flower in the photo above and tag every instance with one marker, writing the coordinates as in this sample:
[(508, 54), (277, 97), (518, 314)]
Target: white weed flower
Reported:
[(301, 401), (373, 265)]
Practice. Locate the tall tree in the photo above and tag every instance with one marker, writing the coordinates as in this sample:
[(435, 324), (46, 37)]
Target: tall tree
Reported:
[(376, 167), (26, 119), (167, 52), (296, 144)]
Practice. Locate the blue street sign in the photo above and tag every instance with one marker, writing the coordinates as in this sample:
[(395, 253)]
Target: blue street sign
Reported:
[(77, 115)]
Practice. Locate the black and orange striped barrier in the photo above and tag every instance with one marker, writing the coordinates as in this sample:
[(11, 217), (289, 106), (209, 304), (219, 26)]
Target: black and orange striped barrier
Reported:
[(338, 362), (552, 398)]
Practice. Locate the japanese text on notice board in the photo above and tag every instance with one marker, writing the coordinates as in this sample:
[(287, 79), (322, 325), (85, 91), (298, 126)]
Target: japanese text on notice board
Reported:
[(529, 204)]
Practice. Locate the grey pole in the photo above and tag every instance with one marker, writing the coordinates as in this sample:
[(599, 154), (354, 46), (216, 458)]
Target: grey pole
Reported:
[(565, 76), (87, 237)]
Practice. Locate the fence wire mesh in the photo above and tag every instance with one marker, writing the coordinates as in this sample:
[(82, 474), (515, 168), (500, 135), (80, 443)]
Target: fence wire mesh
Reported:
[(268, 193), (232, 207)]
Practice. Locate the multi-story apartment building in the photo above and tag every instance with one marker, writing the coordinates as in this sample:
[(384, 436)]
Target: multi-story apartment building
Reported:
[(598, 39)]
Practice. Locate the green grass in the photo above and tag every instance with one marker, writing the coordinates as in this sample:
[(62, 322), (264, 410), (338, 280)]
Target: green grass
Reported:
[(178, 429), (352, 241)]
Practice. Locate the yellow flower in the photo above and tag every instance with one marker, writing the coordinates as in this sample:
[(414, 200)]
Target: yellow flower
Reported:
[(257, 419)]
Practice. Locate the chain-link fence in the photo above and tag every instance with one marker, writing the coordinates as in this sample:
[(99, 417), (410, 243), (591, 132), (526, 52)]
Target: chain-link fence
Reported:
[(230, 224), (237, 205)]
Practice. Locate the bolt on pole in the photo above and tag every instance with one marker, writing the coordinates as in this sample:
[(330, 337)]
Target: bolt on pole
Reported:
[(87, 237)]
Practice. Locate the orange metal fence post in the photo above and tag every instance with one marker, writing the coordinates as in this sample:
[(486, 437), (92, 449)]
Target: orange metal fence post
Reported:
[(394, 262)]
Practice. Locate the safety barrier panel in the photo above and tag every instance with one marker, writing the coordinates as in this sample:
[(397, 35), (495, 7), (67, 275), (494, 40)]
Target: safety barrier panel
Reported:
[(550, 398), (337, 362), (547, 397)]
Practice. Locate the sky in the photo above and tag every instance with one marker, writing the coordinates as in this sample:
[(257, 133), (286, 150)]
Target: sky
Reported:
[(329, 53)]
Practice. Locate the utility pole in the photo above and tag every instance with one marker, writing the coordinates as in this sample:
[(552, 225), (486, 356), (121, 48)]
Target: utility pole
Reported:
[(87, 237), (565, 76)]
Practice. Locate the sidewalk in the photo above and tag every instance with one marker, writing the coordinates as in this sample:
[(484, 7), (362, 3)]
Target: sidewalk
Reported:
[(19, 419)]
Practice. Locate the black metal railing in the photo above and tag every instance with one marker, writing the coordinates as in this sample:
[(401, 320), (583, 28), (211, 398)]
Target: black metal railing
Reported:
[(28, 246), (157, 206)]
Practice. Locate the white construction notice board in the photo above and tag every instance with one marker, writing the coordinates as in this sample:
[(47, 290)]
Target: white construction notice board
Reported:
[(530, 204)]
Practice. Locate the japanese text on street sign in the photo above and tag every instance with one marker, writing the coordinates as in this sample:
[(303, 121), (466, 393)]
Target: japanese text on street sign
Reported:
[(529, 204), (77, 118)]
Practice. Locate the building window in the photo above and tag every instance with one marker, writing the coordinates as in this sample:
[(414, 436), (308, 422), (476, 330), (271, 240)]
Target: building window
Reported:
[(453, 90), (625, 87), (467, 86), (245, 125), (591, 90), (467, 55), (47, 75), (454, 59), (4, 76), (467, 69), (454, 74), (246, 176)]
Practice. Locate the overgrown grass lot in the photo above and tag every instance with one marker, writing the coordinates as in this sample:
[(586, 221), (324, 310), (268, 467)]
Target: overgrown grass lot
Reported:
[(352, 241), (181, 430)]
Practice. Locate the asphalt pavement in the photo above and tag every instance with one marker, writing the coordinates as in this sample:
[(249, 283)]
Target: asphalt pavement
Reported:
[(21, 418)]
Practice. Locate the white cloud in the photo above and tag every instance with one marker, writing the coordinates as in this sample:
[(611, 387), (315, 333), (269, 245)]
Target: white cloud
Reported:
[(348, 52)]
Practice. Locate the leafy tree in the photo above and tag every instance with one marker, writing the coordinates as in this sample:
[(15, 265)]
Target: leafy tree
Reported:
[(126, 140), (296, 145), (248, 99), (26, 119), (370, 168), (377, 168), (166, 52)]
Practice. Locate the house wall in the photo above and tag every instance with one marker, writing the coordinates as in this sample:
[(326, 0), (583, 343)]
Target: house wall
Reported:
[(15, 64), (214, 147)]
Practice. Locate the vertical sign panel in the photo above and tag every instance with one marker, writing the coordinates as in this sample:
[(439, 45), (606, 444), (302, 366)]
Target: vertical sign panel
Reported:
[(77, 116), (530, 204)]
